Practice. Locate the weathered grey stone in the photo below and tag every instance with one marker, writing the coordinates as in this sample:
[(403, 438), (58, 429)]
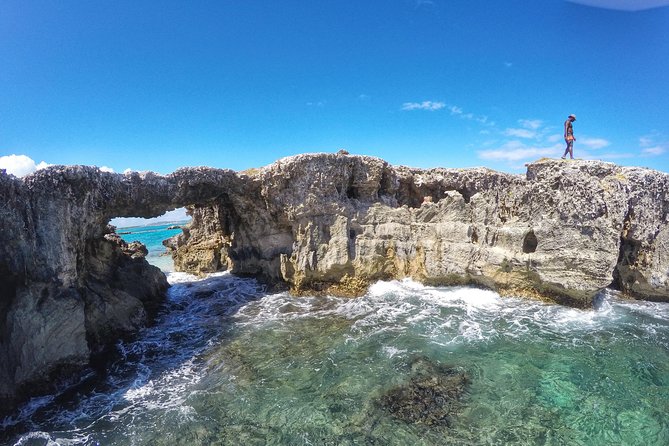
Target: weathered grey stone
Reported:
[(319, 222)]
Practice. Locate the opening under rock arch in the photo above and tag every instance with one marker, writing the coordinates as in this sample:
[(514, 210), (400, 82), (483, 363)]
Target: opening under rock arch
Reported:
[(151, 232)]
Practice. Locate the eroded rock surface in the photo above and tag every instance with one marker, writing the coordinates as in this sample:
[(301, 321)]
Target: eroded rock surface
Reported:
[(320, 222), (68, 285), (336, 222)]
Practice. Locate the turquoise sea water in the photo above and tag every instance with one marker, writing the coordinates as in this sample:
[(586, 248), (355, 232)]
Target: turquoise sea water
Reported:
[(152, 237), (228, 364)]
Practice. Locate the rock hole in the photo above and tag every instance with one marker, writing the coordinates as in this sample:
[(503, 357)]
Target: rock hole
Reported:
[(386, 183), (530, 243), (474, 236), (467, 195)]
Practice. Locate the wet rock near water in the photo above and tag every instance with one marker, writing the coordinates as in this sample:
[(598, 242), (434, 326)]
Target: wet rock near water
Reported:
[(433, 395)]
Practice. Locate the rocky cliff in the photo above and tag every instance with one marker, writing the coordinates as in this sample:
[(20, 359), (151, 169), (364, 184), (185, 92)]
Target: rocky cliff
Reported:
[(334, 223), (323, 223), (69, 286)]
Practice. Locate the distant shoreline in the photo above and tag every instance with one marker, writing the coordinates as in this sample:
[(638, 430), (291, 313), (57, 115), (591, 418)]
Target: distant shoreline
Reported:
[(156, 223)]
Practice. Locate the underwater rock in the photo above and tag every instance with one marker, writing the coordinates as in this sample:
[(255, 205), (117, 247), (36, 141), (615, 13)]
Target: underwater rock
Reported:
[(433, 394)]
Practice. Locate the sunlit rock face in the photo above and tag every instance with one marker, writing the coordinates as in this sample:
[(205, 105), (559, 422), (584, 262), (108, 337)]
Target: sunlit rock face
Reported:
[(332, 223)]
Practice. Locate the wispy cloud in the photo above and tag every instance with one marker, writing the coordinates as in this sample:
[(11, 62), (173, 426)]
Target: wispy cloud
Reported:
[(623, 5), (520, 133), (529, 129), (650, 147), (455, 110), (20, 165), (645, 141), (425, 105), (514, 151), (654, 151), (593, 143), (481, 119), (532, 124)]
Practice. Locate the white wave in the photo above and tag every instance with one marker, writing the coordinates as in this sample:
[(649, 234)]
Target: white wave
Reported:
[(175, 277), (391, 351), (32, 437)]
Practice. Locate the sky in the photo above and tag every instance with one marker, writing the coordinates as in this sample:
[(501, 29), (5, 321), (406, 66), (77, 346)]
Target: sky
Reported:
[(142, 85)]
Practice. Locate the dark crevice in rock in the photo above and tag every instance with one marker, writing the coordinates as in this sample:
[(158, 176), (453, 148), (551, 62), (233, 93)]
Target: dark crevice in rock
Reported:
[(473, 235), (386, 183), (8, 284), (466, 194), (530, 242), (624, 274), (352, 191)]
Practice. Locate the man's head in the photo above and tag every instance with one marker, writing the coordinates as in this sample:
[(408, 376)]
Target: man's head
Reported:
[(572, 118)]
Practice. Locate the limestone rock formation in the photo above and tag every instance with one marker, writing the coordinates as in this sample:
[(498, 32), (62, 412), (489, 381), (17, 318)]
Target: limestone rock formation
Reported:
[(332, 222), (314, 223), (68, 286)]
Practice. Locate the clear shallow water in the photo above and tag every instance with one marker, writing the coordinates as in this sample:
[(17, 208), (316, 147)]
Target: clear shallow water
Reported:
[(152, 237), (227, 363)]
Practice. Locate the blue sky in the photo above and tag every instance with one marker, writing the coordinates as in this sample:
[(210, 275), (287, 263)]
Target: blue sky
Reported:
[(236, 84)]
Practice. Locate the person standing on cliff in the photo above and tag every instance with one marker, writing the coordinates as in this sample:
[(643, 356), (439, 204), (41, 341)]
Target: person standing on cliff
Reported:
[(569, 136)]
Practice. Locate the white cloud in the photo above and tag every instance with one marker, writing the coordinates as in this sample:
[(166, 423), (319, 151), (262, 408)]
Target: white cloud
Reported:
[(520, 133), (532, 124), (514, 151), (455, 110), (20, 165), (645, 141), (654, 151), (623, 5), (508, 64), (425, 105), (593, 143), (555, 138), (650, 146), (177, 215)]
